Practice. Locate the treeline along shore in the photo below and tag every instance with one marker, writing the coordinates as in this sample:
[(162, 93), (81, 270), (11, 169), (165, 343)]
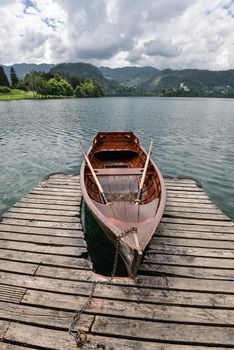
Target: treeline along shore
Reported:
[(85, 80)]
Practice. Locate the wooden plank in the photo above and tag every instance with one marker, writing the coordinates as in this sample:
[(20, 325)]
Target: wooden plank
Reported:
[(151, 289), (131, 310), (43, 248), (213, 236), (33, 204), (11, 293), (60, 340), (26, 268), (196, 222), (192, 272), (46, 224), (195, 215), (46, 259), (53, 197), (171, 202), (3, 328), (42, 199), (187, 260), (191, 251), (172, 188), (157, 331), (34, 217), (35, 315), (181, 199), (184, 242), (50, 240), (41, 231), (56, 192), (196, 227), (7, 346), (38, 336), (47, 211), (196, 208), (188, 195)]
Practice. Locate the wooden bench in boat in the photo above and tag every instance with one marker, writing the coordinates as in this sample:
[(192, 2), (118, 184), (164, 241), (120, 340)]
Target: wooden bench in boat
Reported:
[(117, 171)]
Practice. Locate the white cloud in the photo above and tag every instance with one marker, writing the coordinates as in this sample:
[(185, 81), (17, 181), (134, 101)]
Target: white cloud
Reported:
[(163, 33)]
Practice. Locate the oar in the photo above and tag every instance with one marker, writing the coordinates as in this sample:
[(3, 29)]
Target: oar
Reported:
[(95, 176), (138, 198)]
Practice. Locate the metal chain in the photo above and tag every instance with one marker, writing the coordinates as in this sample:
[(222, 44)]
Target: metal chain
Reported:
[(81, 336)]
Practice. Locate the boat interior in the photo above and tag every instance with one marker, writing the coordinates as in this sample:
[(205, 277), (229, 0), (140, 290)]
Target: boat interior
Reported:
[(119, 165)]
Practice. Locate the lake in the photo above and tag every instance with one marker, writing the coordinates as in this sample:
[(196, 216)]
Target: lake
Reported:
[(192, 137)]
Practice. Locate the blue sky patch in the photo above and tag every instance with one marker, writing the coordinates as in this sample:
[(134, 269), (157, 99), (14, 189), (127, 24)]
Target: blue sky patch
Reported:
[(29, 3)]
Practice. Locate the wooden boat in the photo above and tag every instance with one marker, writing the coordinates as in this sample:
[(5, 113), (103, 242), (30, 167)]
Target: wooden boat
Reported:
[(125, 192)]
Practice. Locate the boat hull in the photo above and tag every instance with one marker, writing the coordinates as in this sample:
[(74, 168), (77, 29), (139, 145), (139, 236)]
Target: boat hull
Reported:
[(115, 169)]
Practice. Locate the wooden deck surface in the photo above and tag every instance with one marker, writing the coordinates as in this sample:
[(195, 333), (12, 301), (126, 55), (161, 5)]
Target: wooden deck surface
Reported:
[(183, 298)]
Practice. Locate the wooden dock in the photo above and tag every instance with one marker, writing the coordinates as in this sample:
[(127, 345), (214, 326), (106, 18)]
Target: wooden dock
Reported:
[(183, 298)]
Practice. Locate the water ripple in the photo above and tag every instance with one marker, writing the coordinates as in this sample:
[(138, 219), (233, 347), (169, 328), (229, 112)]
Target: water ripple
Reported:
[(192, 137)]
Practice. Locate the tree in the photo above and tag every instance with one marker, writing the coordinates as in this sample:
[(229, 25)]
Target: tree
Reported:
[(14, 78), (3, 78)]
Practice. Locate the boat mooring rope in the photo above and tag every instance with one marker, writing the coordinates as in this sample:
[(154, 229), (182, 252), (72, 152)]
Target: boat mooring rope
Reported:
[(81, 336)]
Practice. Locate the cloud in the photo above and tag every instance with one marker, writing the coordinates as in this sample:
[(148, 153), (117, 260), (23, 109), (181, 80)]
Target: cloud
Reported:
[(162, 33)]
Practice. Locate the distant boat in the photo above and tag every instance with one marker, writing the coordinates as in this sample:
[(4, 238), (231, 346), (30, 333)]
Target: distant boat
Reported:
[(125, 192)]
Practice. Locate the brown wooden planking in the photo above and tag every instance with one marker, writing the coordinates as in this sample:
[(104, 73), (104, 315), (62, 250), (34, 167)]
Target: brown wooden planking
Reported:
[(196, 222), (195, 215), (159, 290), (184, 242), (45, 316), (46, 224), (28, 230), (50, 240), (46, 259), (35, 205), (41, 217), (188, 260), (41, 211), (38, 336), (157, 331), (43, 248), (207, 235), (196, 227), (3, 328), (19, 267), (11, 293), (8, 346), (131, 310), (170, 291), (190, 251), (58, 340), (191, 272)]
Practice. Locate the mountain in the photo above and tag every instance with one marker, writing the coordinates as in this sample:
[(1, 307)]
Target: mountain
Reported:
[(154, 82), (23, 68), (129, 76), (143, 81), (87, 70)]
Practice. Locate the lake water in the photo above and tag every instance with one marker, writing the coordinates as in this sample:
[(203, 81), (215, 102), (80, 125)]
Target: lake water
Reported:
[(192, 137)]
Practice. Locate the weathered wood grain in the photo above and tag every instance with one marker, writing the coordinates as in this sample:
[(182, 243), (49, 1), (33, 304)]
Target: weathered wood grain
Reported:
[(28, 230), (132, 310), (182, 298), (41, 217), (43, 248), (50, 240), (164, 331), (45, 316), (184, 242), (46, 259), (46, 224)]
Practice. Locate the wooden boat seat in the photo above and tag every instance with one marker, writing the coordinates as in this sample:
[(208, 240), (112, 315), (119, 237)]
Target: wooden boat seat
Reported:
[(118, 171)]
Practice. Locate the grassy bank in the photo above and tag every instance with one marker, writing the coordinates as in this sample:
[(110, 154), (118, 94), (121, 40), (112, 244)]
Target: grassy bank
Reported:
[(16, 94)]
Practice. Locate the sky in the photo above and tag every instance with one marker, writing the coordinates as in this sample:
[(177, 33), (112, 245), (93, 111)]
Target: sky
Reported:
[(174, 34)]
